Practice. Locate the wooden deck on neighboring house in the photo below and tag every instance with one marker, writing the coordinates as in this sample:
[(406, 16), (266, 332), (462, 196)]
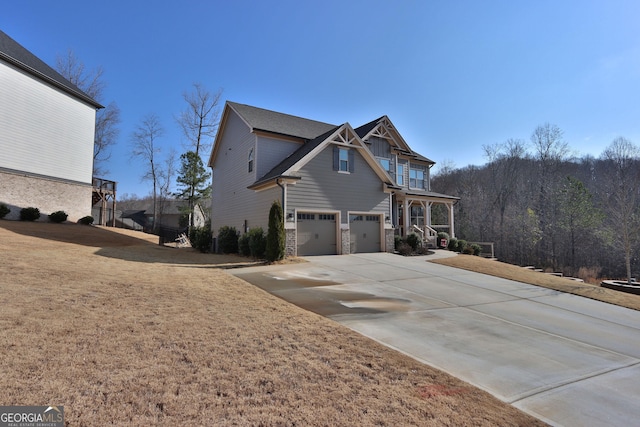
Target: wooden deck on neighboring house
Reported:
[(104, 193)]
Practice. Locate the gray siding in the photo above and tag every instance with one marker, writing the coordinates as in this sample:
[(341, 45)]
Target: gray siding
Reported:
[(379, 147), (322, 188), (270, 152), (233, 203)]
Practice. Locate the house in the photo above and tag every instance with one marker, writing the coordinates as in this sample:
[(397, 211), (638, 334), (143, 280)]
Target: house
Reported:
[(138, 214), (343, 190), (46, 137)]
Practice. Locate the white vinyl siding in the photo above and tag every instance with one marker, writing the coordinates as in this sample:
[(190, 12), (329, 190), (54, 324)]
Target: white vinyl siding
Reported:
[(44, 131)]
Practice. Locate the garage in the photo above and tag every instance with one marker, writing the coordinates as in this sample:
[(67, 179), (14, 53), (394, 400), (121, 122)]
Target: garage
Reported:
[(316, 233), (365, 233)]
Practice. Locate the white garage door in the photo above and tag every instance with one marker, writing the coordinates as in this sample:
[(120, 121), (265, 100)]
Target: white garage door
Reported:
[(316, 233), (365, 233)]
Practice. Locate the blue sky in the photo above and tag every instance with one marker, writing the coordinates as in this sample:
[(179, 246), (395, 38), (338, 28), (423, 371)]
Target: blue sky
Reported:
[(452, 76)]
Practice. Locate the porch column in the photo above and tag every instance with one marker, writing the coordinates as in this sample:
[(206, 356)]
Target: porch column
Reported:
[(407, 217), (451, 224)]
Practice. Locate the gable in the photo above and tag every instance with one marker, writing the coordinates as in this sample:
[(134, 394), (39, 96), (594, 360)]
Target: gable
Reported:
[(344, 136), (383, 128)]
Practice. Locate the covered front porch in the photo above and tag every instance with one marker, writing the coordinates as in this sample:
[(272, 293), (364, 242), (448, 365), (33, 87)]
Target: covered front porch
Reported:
[(423, 214)]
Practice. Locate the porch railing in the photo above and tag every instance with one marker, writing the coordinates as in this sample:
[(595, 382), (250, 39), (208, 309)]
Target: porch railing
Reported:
[(428, 234)]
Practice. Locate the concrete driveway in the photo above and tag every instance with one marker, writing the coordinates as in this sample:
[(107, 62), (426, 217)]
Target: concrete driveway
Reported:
[(567, 360)]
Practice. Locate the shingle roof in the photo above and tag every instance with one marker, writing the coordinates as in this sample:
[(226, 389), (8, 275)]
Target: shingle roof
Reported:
[(15, 54), (280, 123), (294, 157), (363, 130), (366, 128)]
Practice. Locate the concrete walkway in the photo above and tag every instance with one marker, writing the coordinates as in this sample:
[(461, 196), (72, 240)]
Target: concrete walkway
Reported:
[(567, 360)]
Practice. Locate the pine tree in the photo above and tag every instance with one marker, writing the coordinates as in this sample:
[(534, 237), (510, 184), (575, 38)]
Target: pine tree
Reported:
[(193, 181)]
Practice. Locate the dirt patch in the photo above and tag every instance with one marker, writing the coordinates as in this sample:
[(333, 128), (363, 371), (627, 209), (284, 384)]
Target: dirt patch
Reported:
[(122, 331), (520, 274)]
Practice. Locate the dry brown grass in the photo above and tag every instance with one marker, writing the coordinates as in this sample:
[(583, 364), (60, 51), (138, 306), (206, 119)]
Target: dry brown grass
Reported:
[(520, 274), (122, 331)]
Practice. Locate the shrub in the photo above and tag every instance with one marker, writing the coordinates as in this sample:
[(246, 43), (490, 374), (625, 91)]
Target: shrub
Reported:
[(243, 245), (477, 249), (404, 249), (275, 248), (58, 216), (228, 240), (257, 242), (413, 240), (460, 245), (397, 240), (201, 238), (86, 220), (4, 210), (453, 244), (468, 250), (29, 214)]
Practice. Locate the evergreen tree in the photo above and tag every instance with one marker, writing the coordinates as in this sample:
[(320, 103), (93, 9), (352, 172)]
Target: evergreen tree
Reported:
[(193, 181), (275, 235)]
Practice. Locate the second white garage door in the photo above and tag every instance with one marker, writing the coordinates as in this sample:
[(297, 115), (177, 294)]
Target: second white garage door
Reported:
[(316, 233), (364, 233)]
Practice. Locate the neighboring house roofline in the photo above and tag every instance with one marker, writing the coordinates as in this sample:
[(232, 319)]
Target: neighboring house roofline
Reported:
[(15, 54)]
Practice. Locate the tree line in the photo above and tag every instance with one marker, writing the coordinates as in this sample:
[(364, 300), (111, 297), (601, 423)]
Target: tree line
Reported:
[(542, 206)]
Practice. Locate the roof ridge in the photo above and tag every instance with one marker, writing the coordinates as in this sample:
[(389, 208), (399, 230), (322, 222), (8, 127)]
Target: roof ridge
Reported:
[(14, 53)]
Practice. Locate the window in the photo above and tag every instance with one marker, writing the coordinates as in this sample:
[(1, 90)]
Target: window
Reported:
[(343, 159), (417, 216), (400, 177), (326, 217), (416, 178), (303, 216), (251, 160), (386, 164)]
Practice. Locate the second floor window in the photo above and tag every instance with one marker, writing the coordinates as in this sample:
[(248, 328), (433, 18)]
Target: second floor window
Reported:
[(343, 159), (416, 178), (400, 177), (251, 160)]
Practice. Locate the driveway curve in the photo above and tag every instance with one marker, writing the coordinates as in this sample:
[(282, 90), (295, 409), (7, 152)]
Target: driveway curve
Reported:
[(565, 359)]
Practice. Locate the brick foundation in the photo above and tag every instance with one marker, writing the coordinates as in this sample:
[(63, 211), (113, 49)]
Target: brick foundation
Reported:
[(48, 195)]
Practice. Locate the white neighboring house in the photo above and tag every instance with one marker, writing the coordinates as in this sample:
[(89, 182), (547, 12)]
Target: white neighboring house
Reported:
[(47, 130)]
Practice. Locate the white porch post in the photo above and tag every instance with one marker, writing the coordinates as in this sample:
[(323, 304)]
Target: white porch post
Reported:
[(451, 224), (407, 217), (427, 214)]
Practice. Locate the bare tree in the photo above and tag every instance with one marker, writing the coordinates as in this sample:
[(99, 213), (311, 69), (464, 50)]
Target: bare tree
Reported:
[(107, 119), (623, 185), (503, 165), (550, 151), (166, 176), (144, 148), (199, 121)]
